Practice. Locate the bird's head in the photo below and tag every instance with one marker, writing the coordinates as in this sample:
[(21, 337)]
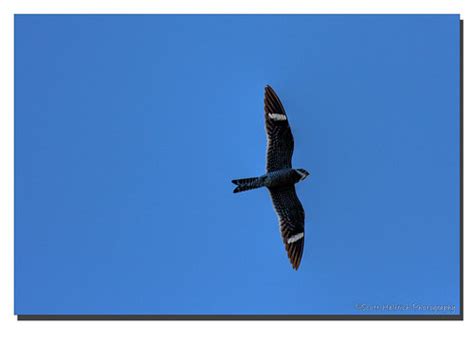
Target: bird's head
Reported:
[(303, 174)]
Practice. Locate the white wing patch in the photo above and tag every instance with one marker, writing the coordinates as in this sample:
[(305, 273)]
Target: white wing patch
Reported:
[(277, 116), (295, 238)]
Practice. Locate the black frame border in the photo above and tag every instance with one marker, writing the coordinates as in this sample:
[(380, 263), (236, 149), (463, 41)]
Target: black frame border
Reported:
[(459, 316)]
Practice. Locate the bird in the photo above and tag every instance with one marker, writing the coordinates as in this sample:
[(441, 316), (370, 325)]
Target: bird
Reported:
[(280, 177)]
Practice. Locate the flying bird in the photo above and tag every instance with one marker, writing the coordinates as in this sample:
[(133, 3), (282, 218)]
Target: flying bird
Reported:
[(281, 177)]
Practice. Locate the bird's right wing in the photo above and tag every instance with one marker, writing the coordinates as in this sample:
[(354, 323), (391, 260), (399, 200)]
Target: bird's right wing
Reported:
[(291, 215), (279, 137)]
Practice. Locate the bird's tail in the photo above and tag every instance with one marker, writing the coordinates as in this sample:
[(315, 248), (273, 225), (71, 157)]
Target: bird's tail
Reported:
[(248, 183)]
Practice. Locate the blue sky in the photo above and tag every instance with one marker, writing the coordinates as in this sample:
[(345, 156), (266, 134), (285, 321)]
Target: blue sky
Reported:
[(128, 130)]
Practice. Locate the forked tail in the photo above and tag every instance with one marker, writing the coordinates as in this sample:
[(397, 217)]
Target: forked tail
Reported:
[(246, 184)]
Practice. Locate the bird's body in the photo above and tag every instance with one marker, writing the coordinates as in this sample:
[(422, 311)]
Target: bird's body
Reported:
[(281, 177), (274, 179)]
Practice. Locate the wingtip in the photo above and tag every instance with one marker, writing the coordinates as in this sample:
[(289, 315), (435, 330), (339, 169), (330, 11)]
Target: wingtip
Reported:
[(272, 103), (295, 253), (295, 263)]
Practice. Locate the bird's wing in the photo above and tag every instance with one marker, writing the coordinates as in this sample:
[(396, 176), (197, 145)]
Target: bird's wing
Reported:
[(291, 215), (279, 137)]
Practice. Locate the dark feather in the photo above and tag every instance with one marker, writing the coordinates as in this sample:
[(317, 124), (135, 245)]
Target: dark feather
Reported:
[(291, 219), (280, 141)]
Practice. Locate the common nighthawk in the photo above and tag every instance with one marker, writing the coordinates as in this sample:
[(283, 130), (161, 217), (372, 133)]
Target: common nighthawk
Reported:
[(280, 178)]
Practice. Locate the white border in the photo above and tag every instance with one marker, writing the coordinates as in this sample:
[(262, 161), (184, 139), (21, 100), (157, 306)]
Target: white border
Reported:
[(14, 331)]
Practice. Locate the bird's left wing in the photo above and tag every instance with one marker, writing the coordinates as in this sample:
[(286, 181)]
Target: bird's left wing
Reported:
[(291, 216), (280, 142)]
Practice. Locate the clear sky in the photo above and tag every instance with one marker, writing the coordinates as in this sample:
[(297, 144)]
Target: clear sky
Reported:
[(128, 130)]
